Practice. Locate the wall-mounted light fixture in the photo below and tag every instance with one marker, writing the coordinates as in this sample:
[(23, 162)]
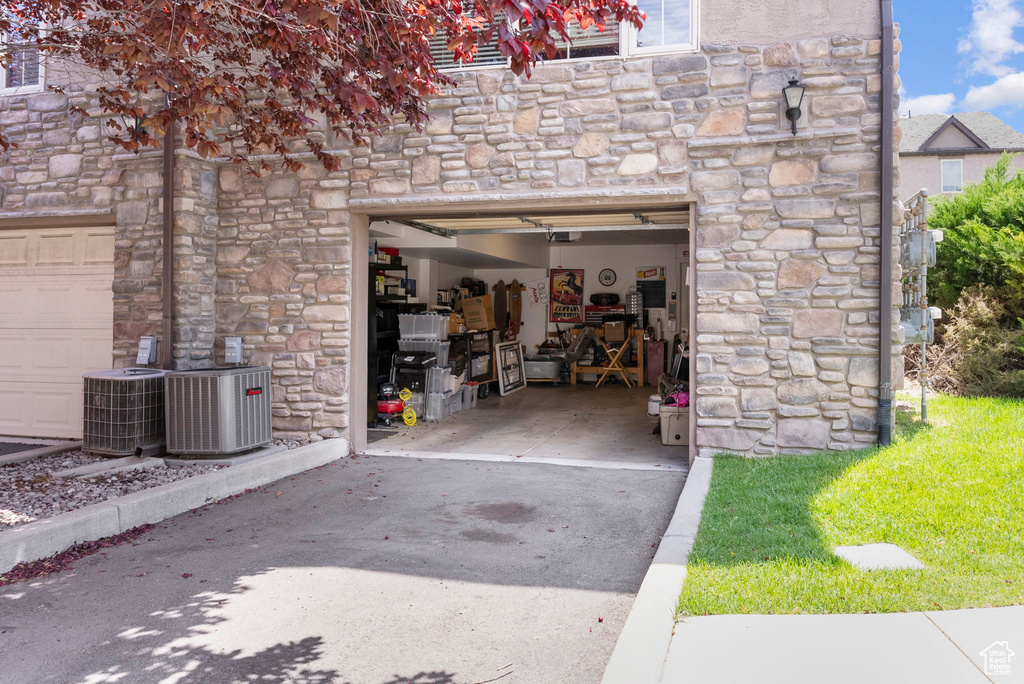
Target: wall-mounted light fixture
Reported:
[(794, 94)]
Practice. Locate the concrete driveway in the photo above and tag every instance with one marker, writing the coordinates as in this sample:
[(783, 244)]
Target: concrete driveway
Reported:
[(366, 571)]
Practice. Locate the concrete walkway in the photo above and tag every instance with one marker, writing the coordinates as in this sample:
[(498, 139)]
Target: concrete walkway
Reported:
[(943, 647), (365, 571)]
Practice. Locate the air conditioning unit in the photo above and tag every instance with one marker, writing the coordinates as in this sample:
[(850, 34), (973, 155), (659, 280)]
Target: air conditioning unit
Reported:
[(123, 412), (218, 411)]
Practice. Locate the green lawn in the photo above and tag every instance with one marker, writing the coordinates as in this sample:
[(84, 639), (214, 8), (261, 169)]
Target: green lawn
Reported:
[(951, 494)]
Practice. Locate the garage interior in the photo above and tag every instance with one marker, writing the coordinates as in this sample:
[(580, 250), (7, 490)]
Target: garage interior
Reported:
[(603, 319)]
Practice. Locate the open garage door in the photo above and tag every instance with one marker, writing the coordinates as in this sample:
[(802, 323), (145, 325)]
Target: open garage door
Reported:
[(620, 275)]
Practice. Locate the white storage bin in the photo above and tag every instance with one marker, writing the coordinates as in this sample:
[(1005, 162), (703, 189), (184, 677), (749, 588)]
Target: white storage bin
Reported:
[(675, 425), (469, 396), (425, 326)]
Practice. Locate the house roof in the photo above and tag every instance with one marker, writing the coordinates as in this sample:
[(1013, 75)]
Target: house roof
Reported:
[(983, 127)]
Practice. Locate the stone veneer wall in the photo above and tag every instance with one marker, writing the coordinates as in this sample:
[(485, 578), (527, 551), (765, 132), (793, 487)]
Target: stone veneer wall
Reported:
[(787, 228)]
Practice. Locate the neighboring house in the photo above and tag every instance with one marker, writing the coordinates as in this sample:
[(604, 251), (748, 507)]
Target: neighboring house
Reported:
[(941, 153), (685, 119)]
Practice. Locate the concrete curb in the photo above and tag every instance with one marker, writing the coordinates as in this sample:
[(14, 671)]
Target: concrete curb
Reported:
[(44, 538), (643, 644), (48, 450)]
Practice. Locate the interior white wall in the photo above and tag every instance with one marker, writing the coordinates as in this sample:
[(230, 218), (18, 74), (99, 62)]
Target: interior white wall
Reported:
[(623, 259)]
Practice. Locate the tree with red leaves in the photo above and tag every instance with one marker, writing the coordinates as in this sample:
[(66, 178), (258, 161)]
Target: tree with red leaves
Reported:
[(248, 77)]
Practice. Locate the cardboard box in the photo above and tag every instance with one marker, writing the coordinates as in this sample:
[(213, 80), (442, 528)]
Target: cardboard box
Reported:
[(479, 313), (455, 323), (614, 331)]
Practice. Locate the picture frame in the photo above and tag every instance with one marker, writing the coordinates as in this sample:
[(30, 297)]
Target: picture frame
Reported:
[(565, 303)]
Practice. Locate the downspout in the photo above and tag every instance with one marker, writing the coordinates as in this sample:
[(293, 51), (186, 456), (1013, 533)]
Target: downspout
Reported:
[(885, 239), (167, 348)]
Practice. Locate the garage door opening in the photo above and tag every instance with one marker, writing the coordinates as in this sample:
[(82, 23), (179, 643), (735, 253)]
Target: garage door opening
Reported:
[(597, 304)]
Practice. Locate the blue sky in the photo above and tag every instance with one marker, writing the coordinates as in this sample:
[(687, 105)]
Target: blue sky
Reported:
[(962, 55)]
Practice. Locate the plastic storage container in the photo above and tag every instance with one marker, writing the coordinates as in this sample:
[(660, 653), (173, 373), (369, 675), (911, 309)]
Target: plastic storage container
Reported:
[(439, 379), (439, 348), (423, 326), (454, 402), (418, 404), (675, 425), (437, 407), (456, 382), (469, 396)]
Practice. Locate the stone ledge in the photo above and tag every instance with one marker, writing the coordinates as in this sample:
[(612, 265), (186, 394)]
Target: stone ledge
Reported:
[(643, 644), (44, 538), (678, 193), (746, 140)]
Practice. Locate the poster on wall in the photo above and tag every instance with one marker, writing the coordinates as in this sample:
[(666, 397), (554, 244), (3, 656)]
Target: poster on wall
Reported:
[(650, 273), (566, 295)]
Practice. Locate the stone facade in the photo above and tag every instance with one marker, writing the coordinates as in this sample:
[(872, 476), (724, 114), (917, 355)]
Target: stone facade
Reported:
[(787, 238)]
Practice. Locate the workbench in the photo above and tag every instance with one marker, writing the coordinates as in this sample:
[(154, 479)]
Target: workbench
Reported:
[(637, 370)]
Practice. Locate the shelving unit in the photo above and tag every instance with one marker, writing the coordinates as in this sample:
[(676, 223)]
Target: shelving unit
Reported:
[(381, 344)]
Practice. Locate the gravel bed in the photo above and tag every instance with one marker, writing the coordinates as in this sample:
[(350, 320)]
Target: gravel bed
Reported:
[(28, 490), (292, 443)]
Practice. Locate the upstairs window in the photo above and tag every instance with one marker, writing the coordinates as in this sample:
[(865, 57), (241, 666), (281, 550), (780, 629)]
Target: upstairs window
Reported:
[(670, 27), (952, 175), (25, 71), (445, 58), (590, 42)]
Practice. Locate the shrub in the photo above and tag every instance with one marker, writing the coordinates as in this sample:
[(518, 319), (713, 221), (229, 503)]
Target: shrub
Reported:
[(979, 352), (984, 242)]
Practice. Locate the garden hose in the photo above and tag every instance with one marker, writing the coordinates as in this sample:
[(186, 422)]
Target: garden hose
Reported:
[(409, 416)]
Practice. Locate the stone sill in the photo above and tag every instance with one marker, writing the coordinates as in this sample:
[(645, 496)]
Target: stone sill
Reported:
[(773, 138)]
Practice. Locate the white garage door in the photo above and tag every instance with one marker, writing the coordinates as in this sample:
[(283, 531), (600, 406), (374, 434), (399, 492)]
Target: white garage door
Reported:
[(56, 319)]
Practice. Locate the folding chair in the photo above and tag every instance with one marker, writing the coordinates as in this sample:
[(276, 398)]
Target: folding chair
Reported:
[(615, 363)]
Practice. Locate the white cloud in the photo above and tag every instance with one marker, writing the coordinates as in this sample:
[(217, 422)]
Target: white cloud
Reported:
[(928, 104), (1007, 91), (990, 41)]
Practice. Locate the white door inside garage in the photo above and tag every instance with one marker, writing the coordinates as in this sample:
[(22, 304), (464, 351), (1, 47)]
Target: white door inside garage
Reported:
[(56, 318)]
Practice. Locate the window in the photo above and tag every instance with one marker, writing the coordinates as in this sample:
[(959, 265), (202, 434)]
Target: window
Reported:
[(445, 58), (670, 27), (25, 72), (590, 42), (952, 175)]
